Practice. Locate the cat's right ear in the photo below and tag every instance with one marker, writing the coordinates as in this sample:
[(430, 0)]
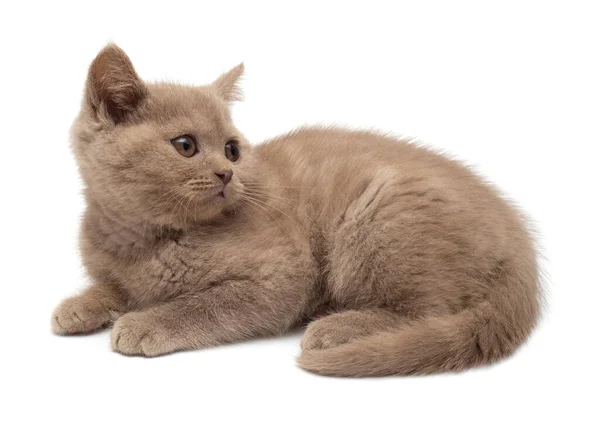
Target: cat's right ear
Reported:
[(113, 88), (227, 85)]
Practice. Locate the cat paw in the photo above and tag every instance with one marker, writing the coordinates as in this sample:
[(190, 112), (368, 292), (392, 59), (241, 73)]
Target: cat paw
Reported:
[(137, 334), (323, 333), (79, 315)]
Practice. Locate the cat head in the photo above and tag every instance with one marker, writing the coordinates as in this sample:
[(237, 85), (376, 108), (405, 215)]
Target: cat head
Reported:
[(162, 153)]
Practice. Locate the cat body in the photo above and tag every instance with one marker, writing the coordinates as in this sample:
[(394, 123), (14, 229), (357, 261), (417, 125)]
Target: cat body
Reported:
[(418, 265)]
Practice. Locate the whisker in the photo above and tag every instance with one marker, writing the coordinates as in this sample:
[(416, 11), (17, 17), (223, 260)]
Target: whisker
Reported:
[(270, 194), (261, 201), (282, 200), (187, 207), (266, 210), (168, 192), (178, 206), (260, 185), (196, 208), (264, 202)]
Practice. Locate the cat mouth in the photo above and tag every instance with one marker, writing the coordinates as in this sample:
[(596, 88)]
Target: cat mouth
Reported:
[(218, 196), (214, 196)]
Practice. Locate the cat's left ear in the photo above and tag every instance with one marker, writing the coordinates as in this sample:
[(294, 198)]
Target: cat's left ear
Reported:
[(227, 85)]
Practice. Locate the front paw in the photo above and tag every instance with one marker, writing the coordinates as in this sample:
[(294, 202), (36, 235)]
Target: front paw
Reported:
[(139, 334), (80, 315)]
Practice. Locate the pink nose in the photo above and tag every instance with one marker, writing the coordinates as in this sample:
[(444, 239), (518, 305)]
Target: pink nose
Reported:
[(225, 176)]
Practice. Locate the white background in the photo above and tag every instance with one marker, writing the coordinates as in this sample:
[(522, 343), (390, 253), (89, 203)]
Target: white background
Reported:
[(509, 87)]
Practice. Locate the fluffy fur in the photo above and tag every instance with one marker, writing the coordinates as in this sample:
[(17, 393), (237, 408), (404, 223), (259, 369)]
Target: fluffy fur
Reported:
[(417, 265)]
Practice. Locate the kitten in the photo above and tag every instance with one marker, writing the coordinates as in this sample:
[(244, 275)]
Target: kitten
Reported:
[(194, 238)]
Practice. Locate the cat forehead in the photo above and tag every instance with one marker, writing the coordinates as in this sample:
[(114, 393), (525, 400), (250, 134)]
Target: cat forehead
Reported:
[(175, 102)]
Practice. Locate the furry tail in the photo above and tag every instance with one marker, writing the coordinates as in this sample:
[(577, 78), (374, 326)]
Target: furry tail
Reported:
[(476, 336)]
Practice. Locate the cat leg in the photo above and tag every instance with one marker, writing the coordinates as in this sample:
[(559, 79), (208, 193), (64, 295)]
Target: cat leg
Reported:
[(345, 326), (97, 306), (228, 312)]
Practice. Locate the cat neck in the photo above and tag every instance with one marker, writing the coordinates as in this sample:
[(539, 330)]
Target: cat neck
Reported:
[(122, 236)]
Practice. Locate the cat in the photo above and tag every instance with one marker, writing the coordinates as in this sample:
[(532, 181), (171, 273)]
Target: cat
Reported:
[(401, 260)]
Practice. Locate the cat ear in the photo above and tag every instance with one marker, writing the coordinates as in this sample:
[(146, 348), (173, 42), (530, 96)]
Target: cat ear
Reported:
[(227, 85), (113, 87)]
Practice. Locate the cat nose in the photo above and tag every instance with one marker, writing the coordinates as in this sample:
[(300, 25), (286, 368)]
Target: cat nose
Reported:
[(225, 176)]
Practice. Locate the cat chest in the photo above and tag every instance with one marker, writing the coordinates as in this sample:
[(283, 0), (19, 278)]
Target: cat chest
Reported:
[(166, 273)]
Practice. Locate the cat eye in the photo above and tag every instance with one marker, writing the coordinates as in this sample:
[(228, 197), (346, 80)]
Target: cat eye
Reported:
[(232, 151), (185, 145)]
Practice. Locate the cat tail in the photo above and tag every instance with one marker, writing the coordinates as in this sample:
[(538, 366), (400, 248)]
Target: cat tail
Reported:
[(475, 336)]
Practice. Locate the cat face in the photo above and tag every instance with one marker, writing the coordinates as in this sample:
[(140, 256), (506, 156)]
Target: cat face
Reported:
[(166, 154)]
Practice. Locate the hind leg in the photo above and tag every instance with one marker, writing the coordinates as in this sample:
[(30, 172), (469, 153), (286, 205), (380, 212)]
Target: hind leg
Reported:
[(394, 249), (345, 326)]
